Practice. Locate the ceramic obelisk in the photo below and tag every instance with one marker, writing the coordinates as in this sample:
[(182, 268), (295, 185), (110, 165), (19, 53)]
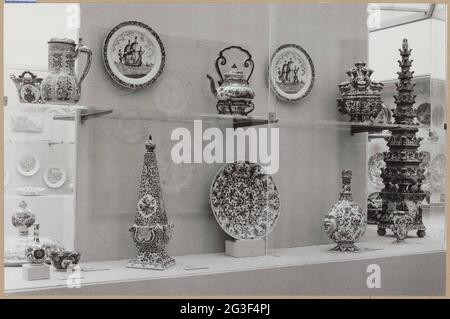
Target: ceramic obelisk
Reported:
[(151, 230), (403, 175)]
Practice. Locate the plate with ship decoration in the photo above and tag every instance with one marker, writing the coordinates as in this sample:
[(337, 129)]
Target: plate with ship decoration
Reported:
[(291, 73), (245, 200), (133, 54)]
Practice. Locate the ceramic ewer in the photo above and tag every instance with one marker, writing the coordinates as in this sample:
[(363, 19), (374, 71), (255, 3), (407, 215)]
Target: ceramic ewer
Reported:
[(62, 85), (345, 223), (151, 231), (245, 200), (233, 92), (36, 253), (360, 96), (291, 73), (133, 55)]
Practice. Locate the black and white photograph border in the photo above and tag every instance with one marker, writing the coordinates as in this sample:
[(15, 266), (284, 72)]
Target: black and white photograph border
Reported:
[(137, 190)]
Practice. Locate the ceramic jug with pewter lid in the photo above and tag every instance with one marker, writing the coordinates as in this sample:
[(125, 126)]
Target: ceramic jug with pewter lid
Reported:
[(62, 85)]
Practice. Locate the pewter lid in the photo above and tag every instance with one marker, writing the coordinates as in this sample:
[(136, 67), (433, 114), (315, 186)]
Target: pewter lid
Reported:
[(62, 40)]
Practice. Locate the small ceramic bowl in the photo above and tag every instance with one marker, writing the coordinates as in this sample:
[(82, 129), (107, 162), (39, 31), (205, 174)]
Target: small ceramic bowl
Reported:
[(63, 260)]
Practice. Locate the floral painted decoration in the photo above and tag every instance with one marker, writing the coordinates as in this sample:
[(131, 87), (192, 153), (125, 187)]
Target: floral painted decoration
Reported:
[(245, 200)]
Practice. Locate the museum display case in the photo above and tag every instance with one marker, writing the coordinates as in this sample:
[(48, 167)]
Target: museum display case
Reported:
[(192, 150)]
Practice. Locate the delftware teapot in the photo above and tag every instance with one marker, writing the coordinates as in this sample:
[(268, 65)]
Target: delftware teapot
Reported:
[(62, 85), (233, 92), (28, 87)]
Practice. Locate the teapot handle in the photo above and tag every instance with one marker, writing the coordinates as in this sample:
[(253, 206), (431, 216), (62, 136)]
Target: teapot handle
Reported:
[(222, 60), (86, 50), (24, 73)]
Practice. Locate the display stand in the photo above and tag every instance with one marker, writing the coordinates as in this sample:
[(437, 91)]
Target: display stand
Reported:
[(245, 248), (35, 272)]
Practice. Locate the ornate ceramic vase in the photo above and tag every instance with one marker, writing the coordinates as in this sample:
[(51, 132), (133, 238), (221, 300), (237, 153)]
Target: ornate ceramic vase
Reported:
[(360, 96), (151, 231), (23, 219), (234, 93), (36, 254), (404, 173), (346, 222), (61, 85)]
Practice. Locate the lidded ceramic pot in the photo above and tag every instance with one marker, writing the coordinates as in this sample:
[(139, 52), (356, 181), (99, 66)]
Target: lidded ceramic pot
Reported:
[(360, 96), (62, 85), (345, 223), (23, 219)]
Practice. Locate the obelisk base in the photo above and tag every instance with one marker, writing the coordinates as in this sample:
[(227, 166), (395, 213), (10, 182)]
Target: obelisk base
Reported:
[(150, 260)]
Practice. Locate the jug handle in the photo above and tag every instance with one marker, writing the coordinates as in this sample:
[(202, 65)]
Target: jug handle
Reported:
[(86, 50)]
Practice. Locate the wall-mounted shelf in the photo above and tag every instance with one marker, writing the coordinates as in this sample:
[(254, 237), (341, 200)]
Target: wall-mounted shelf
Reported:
[(242, 121), (84, 115), (363, 127)]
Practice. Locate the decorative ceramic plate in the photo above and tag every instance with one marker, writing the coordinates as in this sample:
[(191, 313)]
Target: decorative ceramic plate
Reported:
[(245, 200), (55, 176), (438, 115), (291, 73), (423, 113), (437, 172), (128, 126), (375, 164), (28, 164), (133, 54), (30, 191), (433, 136)]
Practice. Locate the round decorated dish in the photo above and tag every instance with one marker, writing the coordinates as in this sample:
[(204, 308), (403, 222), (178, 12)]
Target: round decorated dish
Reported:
[(437, 172), (133, 54), (245, 200), (438, 115), (28, 164), (291, 73), (424, 113), (55, 176)]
